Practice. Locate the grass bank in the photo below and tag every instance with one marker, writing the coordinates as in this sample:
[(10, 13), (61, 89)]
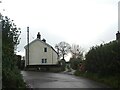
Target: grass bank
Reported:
[(112, 81)]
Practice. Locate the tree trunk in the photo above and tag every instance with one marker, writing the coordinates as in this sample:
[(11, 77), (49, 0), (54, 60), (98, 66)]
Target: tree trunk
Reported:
[(63, 57)]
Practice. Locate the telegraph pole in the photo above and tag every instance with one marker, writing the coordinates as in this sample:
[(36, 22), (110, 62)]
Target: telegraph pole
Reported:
[(28, 44)]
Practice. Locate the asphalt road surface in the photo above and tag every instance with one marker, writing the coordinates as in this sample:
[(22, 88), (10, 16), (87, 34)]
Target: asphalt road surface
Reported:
[(58, 80)]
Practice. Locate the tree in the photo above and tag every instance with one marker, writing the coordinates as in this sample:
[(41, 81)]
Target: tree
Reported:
[(77, 56), (63, 49), (10, 39), (76, 51)]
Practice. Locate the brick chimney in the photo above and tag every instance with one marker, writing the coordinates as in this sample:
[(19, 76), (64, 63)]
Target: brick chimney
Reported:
[(38, 35)]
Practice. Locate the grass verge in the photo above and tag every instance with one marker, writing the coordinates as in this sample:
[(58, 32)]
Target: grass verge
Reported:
[(112, 81)]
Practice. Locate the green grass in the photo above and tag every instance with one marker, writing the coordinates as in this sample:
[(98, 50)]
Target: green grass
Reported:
[(112, 81)]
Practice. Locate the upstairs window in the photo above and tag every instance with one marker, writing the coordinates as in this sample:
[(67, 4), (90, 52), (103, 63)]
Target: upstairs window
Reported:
[(45, 49)]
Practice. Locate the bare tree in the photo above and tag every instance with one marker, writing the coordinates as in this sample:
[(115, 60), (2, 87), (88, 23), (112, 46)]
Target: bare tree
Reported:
[(76, 51), (63, 49)]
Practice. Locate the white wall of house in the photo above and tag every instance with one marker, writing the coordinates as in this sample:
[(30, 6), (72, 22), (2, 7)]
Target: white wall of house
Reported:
[(37, 53)]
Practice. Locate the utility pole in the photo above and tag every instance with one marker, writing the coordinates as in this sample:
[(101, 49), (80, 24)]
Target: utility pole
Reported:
[(28, 44)]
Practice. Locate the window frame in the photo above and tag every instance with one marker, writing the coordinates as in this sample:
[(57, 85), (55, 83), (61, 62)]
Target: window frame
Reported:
[(44, 60), (45, 49)]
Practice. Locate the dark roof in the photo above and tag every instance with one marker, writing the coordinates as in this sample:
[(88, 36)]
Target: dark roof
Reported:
[(41, 42)]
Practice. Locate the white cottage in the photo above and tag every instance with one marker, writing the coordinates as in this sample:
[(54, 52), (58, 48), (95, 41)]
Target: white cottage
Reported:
[(40, 53)]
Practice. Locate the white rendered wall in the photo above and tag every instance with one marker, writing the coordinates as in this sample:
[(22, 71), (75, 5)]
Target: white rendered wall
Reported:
[(36, 54)]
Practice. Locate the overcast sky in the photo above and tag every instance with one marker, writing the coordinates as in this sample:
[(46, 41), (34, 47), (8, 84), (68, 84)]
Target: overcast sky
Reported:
[(83, 22)]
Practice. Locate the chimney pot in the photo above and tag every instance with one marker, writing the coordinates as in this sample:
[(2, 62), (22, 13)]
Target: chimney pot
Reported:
[(44, 40)]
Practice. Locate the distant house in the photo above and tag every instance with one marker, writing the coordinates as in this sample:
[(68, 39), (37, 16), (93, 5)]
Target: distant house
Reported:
[(40, 53)]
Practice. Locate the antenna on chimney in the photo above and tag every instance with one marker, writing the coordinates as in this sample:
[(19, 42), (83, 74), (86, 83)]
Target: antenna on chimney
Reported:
[(28, 44)]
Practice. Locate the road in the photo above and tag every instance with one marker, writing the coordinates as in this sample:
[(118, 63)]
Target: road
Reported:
[(58, 80)]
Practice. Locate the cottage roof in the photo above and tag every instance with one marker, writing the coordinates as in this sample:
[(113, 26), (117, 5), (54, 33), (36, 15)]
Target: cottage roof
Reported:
[(41, 42)]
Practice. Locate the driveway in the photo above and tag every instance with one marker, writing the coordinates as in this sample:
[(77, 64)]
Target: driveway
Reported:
[(58, 80)]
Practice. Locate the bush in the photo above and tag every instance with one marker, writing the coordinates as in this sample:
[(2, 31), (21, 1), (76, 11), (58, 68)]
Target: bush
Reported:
[(77, 73), (75, 63), (104, 59), (11, 77), (62, 64)]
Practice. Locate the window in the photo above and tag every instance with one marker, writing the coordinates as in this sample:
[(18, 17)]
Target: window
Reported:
[(44, 60), (45, 49)]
